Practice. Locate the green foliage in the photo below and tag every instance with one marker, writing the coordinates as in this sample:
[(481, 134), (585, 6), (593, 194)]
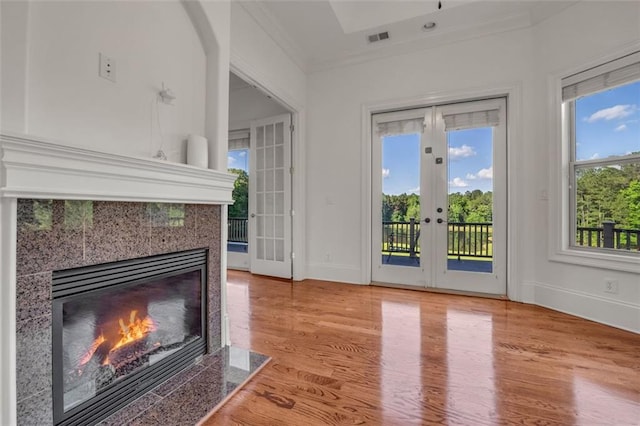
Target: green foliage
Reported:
[(472, 206), (240, 207), (608, 194)]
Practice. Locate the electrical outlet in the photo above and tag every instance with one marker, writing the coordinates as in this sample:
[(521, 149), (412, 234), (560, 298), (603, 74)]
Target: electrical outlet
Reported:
[(107, 68), (610, 286)]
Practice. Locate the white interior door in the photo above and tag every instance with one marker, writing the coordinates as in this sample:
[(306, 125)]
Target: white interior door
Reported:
[(270, 196), (439, 197)]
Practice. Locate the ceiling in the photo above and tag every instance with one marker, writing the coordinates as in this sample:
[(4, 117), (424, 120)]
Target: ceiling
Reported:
[(321, 34), (236, 83)]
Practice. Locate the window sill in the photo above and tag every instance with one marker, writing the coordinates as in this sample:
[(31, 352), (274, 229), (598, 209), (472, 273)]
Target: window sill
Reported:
[(616, 262)]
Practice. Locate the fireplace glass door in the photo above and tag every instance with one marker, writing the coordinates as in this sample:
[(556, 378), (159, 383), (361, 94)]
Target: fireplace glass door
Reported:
[(110, 332)]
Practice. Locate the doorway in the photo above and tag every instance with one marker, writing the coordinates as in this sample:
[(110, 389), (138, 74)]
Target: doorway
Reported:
[(439, 197), (259, 231)]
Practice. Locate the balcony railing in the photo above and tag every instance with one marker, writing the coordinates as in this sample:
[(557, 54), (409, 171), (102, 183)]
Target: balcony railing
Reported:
[(464, 239), (608, 236), (467, 239), (237, 228)]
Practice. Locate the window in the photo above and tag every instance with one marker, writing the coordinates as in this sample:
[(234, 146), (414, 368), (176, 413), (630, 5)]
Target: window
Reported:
[(601, 121)]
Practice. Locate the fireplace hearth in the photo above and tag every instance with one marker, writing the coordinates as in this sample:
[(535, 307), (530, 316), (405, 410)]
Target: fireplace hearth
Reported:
[(120, 329)]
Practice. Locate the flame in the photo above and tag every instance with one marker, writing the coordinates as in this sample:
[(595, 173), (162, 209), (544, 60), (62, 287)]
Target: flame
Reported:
[(92, 349), (135, 330)]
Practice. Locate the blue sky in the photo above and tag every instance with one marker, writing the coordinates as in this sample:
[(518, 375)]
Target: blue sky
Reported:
[(238, 160), (608, 123), (470, 162)]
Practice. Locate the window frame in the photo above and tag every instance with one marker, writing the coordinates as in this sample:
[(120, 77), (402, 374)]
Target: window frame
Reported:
[(563, 200)]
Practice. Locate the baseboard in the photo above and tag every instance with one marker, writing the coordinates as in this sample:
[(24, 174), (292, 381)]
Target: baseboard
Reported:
[(528, 292), (607, 311), (238, 261), (334, 272)]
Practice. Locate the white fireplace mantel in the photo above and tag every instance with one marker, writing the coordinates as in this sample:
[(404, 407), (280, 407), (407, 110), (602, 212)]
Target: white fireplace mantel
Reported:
[(36, 168)]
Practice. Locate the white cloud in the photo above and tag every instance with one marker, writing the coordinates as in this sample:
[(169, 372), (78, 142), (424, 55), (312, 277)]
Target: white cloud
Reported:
[(242, 153), (414, 191), (594, 156), (615, 112), (230, 161), (385, 173), (482, 174), (458, 183), (620, 128), (462, 152), (486, 173)]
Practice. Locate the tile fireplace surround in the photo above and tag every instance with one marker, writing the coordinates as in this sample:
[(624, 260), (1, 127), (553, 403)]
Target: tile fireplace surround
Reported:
[(64, 207)]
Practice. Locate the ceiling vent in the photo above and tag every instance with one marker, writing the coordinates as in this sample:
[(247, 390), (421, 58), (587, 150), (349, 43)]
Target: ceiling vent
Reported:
[(378, 37)]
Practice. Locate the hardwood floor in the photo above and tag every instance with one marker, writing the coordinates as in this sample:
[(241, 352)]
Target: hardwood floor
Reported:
[(355, 355)]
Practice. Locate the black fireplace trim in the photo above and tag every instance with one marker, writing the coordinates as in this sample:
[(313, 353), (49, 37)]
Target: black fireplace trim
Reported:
[(98, 278)]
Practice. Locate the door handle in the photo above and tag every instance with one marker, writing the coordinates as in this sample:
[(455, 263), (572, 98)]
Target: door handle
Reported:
[(427, 220), (440, 220), (253, 215)]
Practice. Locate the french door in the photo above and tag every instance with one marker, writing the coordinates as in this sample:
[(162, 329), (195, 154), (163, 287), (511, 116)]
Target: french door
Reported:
[(270, 196), (439, 197)]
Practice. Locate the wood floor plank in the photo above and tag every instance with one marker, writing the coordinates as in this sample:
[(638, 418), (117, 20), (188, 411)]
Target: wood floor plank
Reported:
[(354, 355)]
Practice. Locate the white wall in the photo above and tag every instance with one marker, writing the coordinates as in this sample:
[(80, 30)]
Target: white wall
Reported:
[(335, 100), (151, 42), (13, 78), (522, 58), (571, 40), (249, 104)]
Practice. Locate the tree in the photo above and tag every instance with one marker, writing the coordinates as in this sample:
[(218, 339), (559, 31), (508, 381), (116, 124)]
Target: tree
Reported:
[(240, 207)]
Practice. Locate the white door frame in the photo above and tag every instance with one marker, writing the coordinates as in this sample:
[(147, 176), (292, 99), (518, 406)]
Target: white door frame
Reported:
[(513, 93)]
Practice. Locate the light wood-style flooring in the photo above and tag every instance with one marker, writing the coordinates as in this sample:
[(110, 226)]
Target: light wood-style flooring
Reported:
[(360, 355)]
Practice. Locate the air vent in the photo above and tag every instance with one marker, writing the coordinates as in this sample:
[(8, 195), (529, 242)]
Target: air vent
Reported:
[(378, 37)]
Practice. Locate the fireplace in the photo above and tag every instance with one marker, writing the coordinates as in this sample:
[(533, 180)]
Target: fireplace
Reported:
[(119, 329)]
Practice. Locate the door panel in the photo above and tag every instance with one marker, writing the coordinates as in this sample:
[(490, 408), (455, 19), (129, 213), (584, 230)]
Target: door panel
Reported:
[(397, 232), (471, 191), (269, 197), (448, 231)]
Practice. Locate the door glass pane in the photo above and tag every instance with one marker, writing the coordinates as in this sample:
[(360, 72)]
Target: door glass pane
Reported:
[(269, 203), (280, 250), (269, 250), (260, 137), (279, 184), (268, 158), (268, 130), (260, 248), (470, 195), (268, 180), (279, 202), (401, 200), (260, 203)]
